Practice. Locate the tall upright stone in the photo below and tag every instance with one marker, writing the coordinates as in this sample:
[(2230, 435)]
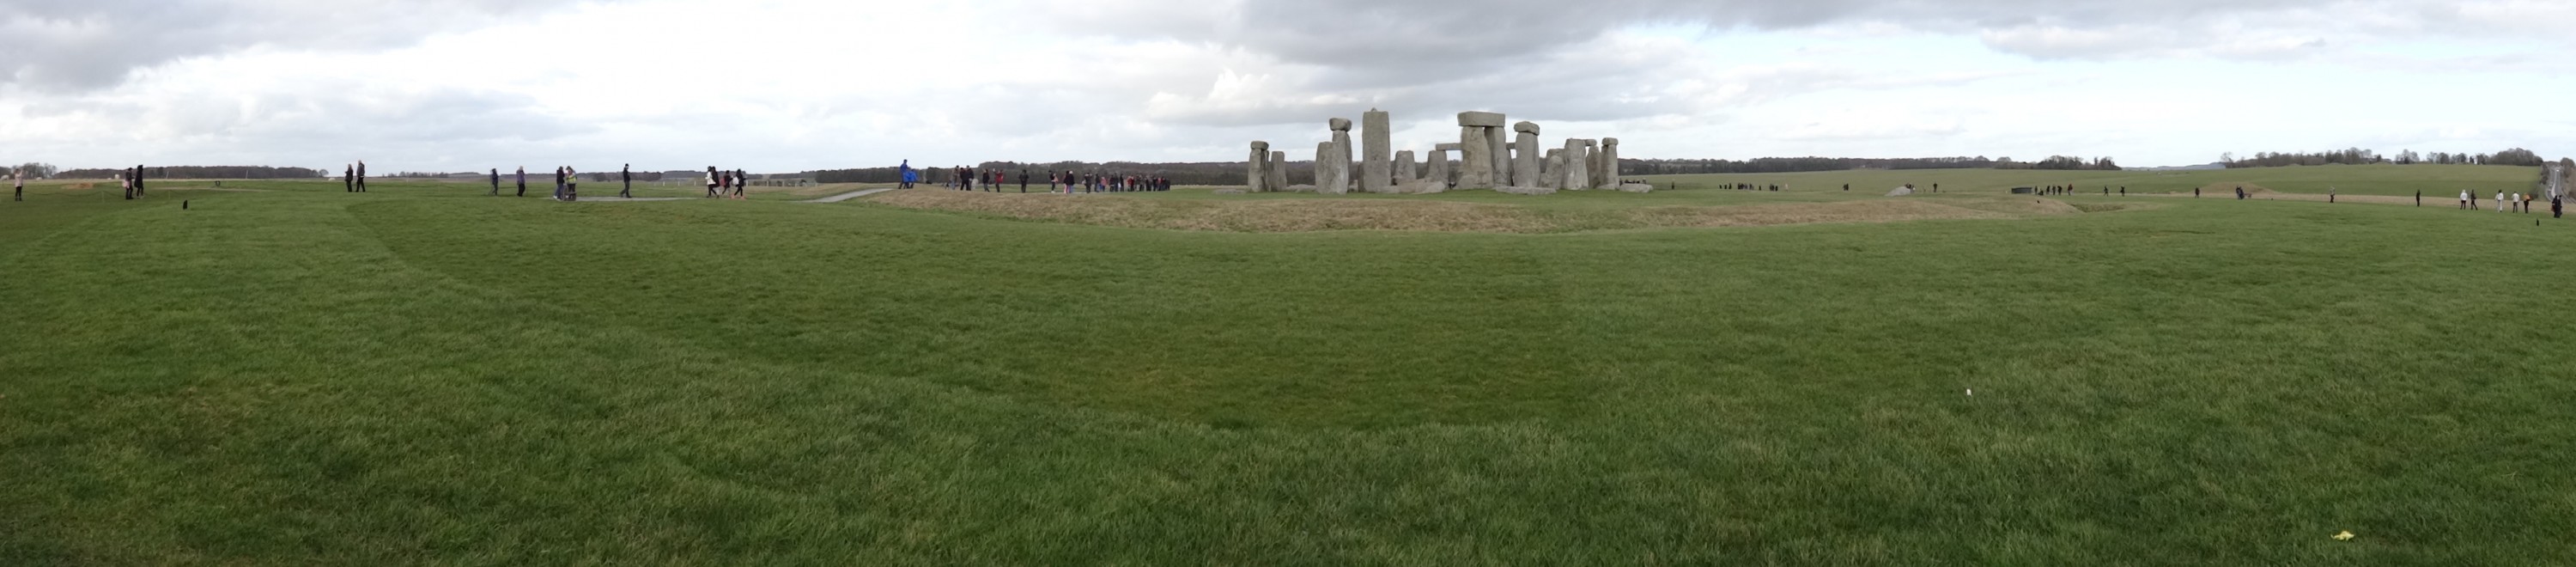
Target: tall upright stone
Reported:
[(1610, 163), (1554, 175), (1576, 176), (1377, 173), (1334, 171), (1405, 172), (1475, 158), (1258, 178), (1324, 154), (1278, 171), (1501, 141), (1525, 157)]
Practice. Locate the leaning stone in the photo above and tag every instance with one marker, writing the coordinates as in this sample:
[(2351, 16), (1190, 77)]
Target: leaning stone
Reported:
[(1437, 171), (1481, 119)]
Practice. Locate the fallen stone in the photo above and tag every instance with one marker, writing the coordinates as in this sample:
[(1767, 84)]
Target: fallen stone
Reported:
[(1525, 190), (1229, 192), (1901, 192), (1637, 187)]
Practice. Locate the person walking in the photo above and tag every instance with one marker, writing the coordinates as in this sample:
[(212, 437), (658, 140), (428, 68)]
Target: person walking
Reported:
[(2466, 201), (2419, 197), (18, 179), (559, 183), (496, 183), (349, 179), (2499, 201), (2557, 208), (523, 181), (712, 181), (362, 177), (740, 179), (905, 174), (1024, 181), (138, 178), (572, 184), (626, 181)]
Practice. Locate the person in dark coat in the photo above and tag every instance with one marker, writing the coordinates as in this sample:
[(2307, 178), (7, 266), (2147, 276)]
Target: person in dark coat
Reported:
[(496, 182), (626, 177), (349, 179), (138, 182), (523, 181), (362, 176)]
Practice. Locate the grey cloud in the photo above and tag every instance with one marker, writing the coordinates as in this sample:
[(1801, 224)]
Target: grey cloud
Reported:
[(80, 45)]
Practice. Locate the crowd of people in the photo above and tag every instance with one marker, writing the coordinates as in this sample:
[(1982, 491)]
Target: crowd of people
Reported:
[(726, 184), (1077, 182)]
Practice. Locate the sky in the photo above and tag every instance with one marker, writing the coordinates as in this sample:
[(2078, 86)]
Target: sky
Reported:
[(796, 85)]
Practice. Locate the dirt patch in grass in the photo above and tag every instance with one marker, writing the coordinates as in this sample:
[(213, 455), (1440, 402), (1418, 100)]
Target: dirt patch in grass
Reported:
[(1311, 215)]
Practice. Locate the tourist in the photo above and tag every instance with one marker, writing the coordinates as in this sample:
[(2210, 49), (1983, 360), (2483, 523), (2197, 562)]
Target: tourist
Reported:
[(1024, 181), (2195, 192), (572, 184), (125, 184), (362, 178), (2526, 202), (138, 179), (559, 183), (523, 181), (712, 181), (2499, 201), (18, 178), (496, 183), (626, 178), (741, 181), (349, 179), (2557, 209), (904, 174), (2467, 201)]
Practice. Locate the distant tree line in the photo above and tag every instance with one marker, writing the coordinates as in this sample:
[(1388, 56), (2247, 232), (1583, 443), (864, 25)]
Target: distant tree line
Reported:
[(33, 170), (1810, 164), (202, 172), (2358, 156), (1179, 173)]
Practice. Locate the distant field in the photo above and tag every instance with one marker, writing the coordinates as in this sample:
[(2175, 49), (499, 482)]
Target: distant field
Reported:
[(286, 374)]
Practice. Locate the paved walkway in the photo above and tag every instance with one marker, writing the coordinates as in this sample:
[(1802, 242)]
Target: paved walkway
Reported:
[(848, 196)]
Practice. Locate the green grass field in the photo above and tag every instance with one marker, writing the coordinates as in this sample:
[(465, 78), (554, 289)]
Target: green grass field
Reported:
[(422, 374)]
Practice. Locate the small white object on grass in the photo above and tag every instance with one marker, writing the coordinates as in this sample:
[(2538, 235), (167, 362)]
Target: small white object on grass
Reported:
[(1972, 391)]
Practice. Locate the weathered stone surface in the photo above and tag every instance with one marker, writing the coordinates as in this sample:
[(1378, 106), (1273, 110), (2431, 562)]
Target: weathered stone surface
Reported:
[(1301, 188), (1257, 178), (1600, 171), (1481, 119), (1637, 187), (1225, 191), (1476, 158), (1525, 190), (1339, 124), (1424, 186), (1554, 175), (1502, 155), (1377, 172), (1525, 158), (1577, 157), (1901, 192), (1438, 170), (1610, 163), (1405, 170), (1278, 171), (1525, 127), (1342, 172), (1332, 170)]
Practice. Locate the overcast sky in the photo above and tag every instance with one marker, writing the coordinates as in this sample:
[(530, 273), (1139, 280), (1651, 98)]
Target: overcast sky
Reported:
[(793, 85)]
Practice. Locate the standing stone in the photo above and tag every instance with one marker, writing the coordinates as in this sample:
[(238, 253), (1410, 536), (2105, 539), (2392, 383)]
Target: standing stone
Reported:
[(1324, 153), (1577, 178), (1502, 154), (1377, 174), (1258, 178), (1610, 163), (1475, 158), (1439, 171), (1278, 169), (1334, 171), (1554, 176), (1404, 169), (1525, 157)]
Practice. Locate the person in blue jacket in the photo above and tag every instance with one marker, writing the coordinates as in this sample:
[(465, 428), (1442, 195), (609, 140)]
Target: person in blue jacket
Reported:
[(909, 175)]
